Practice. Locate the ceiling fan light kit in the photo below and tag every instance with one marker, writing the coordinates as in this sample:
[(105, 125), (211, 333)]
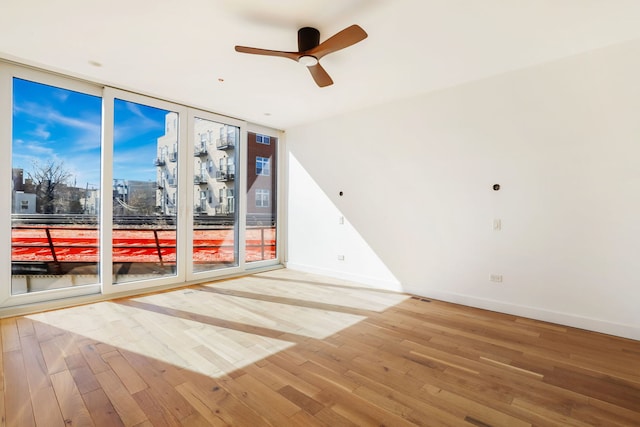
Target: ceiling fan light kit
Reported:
[(308, 60), (310, 50)]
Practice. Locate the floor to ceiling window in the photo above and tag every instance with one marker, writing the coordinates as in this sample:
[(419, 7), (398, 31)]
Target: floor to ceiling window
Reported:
[(145, 190), (215, 186), (114, 191), (55, 186), (261, 197)]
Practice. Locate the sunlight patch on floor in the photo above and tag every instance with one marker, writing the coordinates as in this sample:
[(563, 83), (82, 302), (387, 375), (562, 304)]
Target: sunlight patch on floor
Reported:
[(275, 316), (215, 334), (315, 288), (217, 328), (207, 349)]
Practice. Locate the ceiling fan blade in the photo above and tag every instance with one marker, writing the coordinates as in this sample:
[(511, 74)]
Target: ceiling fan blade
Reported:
[(320, 75), (345, 38), (267, 52)]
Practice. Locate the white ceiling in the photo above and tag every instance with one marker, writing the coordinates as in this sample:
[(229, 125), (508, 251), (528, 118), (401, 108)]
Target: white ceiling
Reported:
[(178, 50)]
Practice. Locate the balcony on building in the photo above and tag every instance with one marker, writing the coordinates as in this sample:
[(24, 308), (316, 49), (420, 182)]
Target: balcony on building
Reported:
[(225, 175), (200, 179), (173, 157), (160, 161), (172, 182), (200, 151), (225, 143), (222, 210)]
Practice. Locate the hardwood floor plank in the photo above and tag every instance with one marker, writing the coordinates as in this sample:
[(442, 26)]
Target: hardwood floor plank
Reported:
[(71, 404), (163, 392), (126, 406), (18, 405), (195, 398), (481, 412), (270, 405), (195, 420), (10, 335), (46, 408), (35, 366), (597, 412), (94, 359), (331, 418), (155, 411), (129, 377), (101, 409), (82, 375), (219, 401), (53, 356), (25, 327), (602, 388), (301, 400), (287, 348), (415, 405)]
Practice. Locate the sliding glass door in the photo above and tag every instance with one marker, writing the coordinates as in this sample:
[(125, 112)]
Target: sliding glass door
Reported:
[(262, 198), (216, 147), (145, 192), (109, 191), (54, 134), (144, 147)]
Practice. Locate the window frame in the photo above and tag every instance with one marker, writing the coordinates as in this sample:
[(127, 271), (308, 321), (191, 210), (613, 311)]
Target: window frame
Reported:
[(87, 293), (7, 72), (263, 139), (266, 166), (263, 194)]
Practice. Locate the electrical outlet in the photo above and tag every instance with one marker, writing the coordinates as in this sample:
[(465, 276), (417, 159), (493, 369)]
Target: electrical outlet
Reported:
[(340, 257), (496, 278)]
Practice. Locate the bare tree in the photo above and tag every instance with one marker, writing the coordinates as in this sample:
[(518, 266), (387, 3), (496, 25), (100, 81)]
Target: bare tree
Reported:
[(46, 179)]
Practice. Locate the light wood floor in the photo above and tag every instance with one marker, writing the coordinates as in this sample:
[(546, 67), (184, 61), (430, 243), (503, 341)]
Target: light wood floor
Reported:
[(288, 349)]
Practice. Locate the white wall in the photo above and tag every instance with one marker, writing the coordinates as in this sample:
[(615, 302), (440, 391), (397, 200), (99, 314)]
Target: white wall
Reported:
[(563, 141)]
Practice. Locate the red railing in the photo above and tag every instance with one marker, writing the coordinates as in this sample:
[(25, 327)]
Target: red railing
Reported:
[(58, 244)]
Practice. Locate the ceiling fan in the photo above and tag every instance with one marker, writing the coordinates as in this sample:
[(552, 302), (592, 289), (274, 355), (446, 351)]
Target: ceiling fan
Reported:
[(310, 50)]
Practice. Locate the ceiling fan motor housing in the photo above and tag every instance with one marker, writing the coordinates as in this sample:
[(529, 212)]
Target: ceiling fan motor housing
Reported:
[(308, 38)]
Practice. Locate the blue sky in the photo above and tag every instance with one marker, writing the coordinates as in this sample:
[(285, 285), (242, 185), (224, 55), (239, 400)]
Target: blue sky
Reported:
[(62, 125)]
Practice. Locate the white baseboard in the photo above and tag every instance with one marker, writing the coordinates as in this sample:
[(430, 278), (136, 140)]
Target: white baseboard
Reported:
[(565, 319), (366, 281)]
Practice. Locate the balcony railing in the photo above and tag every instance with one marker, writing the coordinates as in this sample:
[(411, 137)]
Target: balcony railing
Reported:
[(223, 176), (159, 162), (56, 249), (200, 151), (200, 179), (172, 182), (225, 143), (222, 210)]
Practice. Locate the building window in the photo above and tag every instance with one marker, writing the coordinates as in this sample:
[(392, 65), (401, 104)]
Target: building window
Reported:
[(263, 166), (262, 198), (263, 139)]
